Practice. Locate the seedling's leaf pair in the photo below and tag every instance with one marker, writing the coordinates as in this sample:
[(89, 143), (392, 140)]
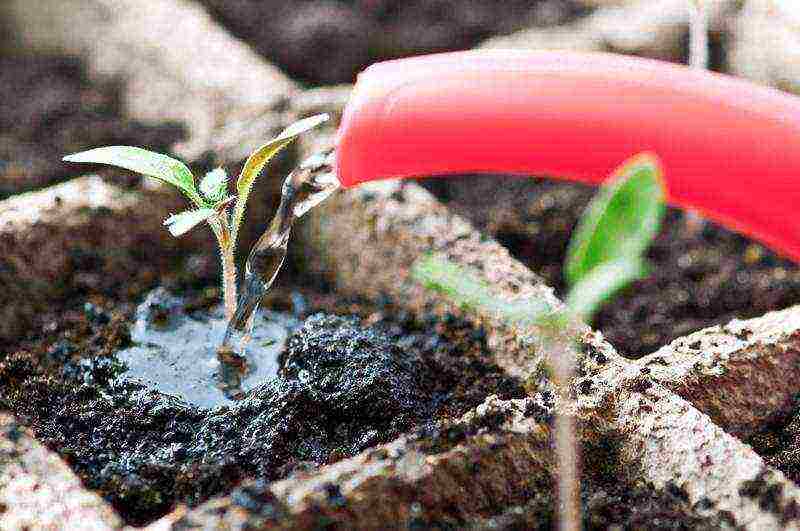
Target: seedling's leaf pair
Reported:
[(605, 254), (212, 198)]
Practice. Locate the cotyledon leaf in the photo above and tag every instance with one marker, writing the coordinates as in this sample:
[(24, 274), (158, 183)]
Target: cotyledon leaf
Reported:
[(156, 165), (472, 292), (622, 219), (180, 224), (260, 157)]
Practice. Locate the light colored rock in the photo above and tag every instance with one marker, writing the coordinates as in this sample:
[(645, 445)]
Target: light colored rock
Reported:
[(766, 43), (39, 492), (653, 28), (175, 61)]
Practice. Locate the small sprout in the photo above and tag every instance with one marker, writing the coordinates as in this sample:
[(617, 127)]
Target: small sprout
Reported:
[(605, 254), (211, 201), (180, 224)]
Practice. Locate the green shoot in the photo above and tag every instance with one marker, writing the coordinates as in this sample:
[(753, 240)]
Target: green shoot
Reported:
[(471, 292), (605, 254), (607, 248), (211, 201)]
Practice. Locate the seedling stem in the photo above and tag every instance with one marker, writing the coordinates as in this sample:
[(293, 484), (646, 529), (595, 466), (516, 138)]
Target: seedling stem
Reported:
[(212, 202)]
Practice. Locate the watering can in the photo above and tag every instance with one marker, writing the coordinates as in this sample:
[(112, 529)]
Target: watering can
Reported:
[(730, 149)]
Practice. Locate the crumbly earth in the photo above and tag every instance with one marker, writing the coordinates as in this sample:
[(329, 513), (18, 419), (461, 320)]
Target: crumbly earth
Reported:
[(608, 502), (329, 41), (48, 109), (779, 444), (617, 506), (341, 388), (700, 276)]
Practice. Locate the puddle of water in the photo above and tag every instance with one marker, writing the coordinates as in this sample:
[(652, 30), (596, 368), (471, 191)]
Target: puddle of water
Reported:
[(212, 362), (176, 354)]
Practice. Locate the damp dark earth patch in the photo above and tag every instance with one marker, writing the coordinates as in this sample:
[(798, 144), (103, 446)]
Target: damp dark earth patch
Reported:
[(342, 384), (48, 108), (330, 41), (176, 353), (701, 275)]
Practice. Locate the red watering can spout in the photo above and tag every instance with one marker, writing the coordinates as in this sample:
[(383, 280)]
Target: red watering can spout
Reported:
[(730, 149)]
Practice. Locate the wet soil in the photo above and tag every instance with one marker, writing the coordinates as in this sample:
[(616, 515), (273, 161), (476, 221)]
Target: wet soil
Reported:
[(328, 41), (699, 277), (176, 353), (344, 384), (48, 109)]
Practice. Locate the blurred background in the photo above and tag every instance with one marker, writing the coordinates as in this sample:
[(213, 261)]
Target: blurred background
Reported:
[(182, 75), (210, 80)]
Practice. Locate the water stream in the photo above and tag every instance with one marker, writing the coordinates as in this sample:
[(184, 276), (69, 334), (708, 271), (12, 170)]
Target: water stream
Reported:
[(306, 187)]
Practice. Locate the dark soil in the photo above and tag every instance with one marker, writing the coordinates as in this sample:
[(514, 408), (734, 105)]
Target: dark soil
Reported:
[(698, 279), (341, 388), (617, 506), (329, 41), (779, 444), (608, 501), (49, 109)]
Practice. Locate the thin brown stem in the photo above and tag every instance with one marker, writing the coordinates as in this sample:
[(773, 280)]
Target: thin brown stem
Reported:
[(556, 340), (698, 58), (228, 261), (567, 453)]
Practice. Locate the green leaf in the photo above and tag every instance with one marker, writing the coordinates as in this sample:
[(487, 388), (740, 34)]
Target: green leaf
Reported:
[(470, 292), (142, 161), (180, 224), (214, 185), (621, 220), (260, 157), (601, 283)]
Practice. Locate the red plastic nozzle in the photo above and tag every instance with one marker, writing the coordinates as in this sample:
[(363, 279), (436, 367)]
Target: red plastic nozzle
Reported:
[(730, 149)]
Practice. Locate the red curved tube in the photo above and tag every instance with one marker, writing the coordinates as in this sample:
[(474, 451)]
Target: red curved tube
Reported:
[(730, 149)]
